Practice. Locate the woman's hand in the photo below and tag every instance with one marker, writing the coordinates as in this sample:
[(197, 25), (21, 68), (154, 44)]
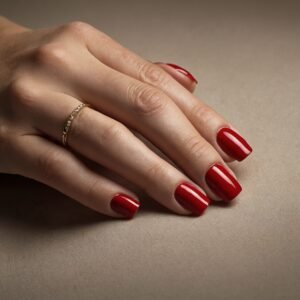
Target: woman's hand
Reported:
[(45, 74)]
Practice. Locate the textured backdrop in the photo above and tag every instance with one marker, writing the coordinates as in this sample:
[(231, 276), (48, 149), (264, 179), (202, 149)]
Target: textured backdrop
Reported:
[(246, 55)]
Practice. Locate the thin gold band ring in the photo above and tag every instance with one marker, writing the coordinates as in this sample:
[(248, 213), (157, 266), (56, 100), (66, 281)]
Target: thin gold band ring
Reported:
[(69, 121)]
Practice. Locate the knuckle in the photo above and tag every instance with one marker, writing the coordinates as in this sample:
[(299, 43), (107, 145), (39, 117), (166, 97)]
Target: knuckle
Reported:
[(51, 54), (50, 163), (78, 28), (147, 100), (126, 55), (197, 146), (112, 132), (22, 94), (91, 194), (153, 74), (202, 112), (156, 170)]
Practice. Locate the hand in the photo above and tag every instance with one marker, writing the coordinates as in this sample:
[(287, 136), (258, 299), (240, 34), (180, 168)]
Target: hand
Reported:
[(46, 73)]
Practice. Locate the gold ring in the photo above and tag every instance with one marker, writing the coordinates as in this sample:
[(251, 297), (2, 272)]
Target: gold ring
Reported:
[(69, 120)]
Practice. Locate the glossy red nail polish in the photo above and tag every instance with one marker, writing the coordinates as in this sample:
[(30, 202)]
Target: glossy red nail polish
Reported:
[(191, 198), (184, 72), (222, 183), (233, 144), (124, 205)]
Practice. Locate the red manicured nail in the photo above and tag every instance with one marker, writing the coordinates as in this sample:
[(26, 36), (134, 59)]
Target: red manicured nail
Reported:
[(191, 198), (184, 72), (233, 144), (124, 205), (222, 183)]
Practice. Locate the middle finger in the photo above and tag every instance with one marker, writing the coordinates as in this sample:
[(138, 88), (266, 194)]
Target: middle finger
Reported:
[(151, 112)]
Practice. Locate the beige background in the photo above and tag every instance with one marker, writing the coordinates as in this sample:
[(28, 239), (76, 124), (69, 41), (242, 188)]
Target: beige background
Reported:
[(246, 55)]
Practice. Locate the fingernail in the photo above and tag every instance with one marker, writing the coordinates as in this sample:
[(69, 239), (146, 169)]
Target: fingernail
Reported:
[(222, 183), (233, 144), (184, 72), (124, 205), (191, 198)]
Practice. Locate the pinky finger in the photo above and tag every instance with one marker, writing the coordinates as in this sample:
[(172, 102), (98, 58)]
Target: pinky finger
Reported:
[(57, 167)]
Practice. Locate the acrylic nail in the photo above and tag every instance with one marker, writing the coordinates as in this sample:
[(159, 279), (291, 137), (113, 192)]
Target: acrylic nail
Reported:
[(233, 144), (222, 183), (183, 71), (124, 205), (191, 198)]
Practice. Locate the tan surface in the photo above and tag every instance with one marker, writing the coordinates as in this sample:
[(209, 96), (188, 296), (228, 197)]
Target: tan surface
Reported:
[(246, 56)]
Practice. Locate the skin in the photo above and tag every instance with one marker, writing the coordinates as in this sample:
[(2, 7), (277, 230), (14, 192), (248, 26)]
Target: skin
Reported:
[(135, 104)]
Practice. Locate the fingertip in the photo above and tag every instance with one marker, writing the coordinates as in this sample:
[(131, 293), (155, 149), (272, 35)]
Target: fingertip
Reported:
[(125, 205), (191, 198)]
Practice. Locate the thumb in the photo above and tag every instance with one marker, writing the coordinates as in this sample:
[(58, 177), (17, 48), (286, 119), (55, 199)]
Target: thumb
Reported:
[(180, 74)]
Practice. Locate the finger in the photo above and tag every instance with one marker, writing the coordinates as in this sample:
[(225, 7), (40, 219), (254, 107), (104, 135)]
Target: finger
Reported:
[(152, 113), (44, 161), (184, 77), (112, 145), (214, 128)]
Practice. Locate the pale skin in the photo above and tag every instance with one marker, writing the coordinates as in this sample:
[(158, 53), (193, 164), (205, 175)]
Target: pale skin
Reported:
[(46, 73)]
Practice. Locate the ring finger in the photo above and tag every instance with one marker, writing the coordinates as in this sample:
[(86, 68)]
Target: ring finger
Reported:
[(111, 144)]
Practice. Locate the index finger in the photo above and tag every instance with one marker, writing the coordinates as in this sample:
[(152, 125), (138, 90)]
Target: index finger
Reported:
[(212, 126)]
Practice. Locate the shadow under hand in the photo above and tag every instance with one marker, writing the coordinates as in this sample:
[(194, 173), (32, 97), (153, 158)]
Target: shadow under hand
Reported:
[(224, 204), (34, 204), (30, 203)]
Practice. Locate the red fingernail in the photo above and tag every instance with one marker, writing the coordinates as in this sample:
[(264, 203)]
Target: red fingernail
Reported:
[(233, 144), (191, 198), (222, 183), (184, 72), (124, 205)]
